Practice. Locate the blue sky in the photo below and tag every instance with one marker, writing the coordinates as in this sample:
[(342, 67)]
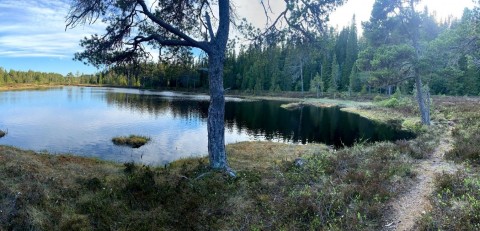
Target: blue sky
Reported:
[(33, 36)]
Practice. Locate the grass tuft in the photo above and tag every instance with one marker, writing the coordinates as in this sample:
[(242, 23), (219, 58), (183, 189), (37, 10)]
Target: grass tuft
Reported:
[(2, 133), (133, 141)]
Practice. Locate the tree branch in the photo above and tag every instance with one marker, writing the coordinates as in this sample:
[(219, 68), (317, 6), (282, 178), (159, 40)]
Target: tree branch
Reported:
[(223, 29), (165, 42), (191, 42), (209, 26)]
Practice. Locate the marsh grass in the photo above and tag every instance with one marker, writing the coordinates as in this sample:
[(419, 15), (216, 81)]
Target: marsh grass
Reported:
[(133, 141), (2, 133), (292, 106), (334, 189)]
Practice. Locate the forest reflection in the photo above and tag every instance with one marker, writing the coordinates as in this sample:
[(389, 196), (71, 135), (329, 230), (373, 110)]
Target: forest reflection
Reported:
[(266, 118)]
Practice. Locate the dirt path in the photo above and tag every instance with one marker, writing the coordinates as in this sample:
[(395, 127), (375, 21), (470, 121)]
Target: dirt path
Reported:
[(413, 203)]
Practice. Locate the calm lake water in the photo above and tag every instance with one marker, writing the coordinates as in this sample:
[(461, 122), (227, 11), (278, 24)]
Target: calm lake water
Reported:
[(83, 120)]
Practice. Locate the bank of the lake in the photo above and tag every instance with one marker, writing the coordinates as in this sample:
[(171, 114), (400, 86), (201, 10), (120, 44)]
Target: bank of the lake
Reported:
[(279, 186)]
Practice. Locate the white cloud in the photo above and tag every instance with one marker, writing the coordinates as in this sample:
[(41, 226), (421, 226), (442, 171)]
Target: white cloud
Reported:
[(37, 29), (342, 17)]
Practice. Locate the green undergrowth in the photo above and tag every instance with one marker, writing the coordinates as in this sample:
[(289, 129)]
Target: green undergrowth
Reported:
[(466, 133), (133, 141), (324, 190), (456, 200)]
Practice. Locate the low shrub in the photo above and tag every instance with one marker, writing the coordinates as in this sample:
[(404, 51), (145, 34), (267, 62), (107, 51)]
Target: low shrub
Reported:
[(466, 147), (392, 102), (396, 101), (456, 203), (414, 125)]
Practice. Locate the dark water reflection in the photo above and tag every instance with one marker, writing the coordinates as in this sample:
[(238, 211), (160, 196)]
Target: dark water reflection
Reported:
[(83, 120)]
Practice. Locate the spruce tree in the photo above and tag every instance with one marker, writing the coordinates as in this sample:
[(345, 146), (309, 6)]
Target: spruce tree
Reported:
[(333, 87)]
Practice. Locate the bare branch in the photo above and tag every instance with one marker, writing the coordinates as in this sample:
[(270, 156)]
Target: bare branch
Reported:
[(192, 42), (84, 12)]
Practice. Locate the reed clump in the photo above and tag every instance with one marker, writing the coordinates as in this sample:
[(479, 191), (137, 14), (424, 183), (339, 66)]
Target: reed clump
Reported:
[(133, 141)]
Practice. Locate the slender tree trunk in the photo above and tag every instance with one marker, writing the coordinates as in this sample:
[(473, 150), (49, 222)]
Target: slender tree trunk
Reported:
[(414, 35), (424, 110), (301, 73)]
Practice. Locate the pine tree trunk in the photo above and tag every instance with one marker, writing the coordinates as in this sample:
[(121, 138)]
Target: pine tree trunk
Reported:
[(424, 110), (216, 113), (301, 73)]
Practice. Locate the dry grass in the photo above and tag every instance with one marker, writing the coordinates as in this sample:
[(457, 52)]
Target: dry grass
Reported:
[(264, 155), (36, 190), (342, 190), (292, 106)]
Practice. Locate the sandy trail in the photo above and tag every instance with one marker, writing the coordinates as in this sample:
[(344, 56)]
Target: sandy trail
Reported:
[(410, 205)]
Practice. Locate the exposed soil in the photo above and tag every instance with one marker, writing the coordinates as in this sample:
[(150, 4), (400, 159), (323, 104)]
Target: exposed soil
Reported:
[(409, 206)]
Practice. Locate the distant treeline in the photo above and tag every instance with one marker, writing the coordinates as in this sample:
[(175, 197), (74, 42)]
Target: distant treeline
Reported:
[(30, 77), (338, 61)]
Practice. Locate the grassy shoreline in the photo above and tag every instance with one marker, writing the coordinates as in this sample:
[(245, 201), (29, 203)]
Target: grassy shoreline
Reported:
[(68, 192), (279, 186)]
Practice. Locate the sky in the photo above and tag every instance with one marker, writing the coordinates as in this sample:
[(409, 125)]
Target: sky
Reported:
[(33, 35)]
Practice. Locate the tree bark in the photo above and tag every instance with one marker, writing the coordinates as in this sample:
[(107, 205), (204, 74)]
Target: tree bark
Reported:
[(216, 113), (414, 36), (424, 110), (301, 73), (216, 109)]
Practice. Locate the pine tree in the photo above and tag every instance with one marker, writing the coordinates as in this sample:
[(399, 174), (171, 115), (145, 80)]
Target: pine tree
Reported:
[(352, 50), (317, 85), (354, 80)]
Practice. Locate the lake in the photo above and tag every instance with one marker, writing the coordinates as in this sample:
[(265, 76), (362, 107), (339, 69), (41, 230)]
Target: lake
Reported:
[(83, 120)]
